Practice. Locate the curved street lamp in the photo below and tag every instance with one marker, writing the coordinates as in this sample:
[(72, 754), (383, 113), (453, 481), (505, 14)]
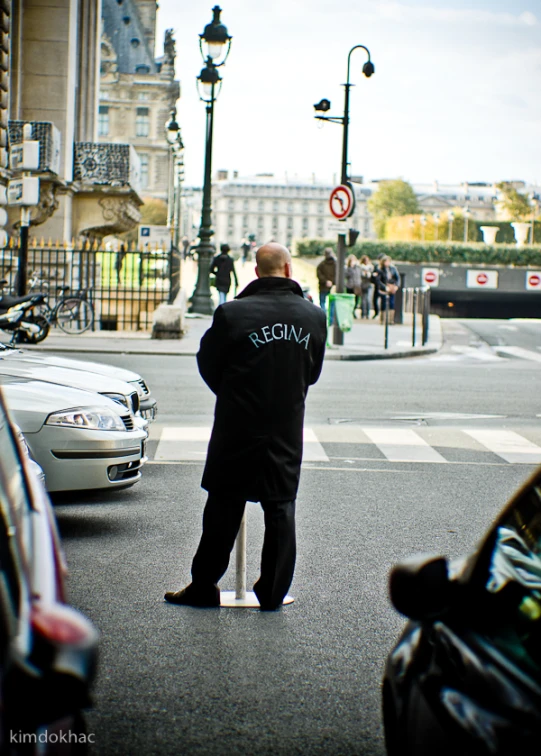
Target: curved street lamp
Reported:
[(174, 140), (322, 107), (215, 44)]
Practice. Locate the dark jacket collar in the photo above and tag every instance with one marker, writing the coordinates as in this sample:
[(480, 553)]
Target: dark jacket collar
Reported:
[(271, 285)]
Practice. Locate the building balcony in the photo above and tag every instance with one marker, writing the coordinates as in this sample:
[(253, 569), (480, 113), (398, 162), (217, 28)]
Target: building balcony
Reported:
[(105, 164), (108, 181)]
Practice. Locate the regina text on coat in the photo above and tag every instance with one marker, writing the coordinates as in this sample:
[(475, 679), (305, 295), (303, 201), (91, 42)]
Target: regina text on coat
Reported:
[(277, 332)]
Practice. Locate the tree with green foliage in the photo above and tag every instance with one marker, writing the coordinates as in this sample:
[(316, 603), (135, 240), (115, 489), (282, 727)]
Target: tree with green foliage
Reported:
[(392, 198), (514, 203)]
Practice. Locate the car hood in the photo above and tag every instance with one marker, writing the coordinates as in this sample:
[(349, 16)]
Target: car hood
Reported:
[(110, 371), (31, 402), (62, 376)]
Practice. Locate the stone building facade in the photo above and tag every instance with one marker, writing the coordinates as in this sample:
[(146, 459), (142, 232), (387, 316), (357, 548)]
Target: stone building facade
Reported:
[(279, 209), (287, 209), (86, 189), (137, 91)]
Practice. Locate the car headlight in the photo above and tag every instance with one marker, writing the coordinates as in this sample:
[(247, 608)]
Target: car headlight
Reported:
[(90, 418), (119, 398)]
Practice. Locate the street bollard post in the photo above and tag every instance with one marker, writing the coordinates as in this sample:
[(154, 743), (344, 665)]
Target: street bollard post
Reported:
[(414, 312), (240, 597), (386, 321)]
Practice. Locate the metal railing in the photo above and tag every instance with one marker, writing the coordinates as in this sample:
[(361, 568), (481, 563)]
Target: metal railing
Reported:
[(417, 302), (123, 285)]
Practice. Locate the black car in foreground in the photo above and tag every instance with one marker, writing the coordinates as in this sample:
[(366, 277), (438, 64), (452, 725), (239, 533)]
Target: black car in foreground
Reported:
[(465, 676), (48, 649)]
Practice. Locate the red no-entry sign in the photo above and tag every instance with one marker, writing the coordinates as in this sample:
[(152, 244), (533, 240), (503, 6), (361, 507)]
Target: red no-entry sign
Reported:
[(430, 276), (341, 202), (482, 279), (534, 281)]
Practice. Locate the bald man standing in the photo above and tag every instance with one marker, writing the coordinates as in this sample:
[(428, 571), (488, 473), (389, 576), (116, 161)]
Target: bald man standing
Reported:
[(259, 357)]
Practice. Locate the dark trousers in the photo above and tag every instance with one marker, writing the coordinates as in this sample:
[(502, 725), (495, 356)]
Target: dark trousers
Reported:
[(221, 522)]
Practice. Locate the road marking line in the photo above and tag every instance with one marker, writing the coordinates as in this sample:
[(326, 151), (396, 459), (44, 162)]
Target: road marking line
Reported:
[(508, 445), (523, 354), (189, 444), (476, 352), (402, 445), (447, 462), (313, 451)]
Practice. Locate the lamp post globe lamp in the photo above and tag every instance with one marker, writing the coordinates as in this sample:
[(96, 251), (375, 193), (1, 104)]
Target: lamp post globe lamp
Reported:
[(215, 44)]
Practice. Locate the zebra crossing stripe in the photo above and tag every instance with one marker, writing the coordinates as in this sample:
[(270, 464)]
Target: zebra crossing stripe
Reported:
[(189, 444), (523, 354), (508, 445), (403, 445)]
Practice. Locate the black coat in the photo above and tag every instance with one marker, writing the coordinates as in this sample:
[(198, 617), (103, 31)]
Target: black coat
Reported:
[(386, 276), (259, 357), (223, 267)]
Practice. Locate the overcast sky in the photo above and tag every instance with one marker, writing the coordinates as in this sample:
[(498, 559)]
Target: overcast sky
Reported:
[(456, 94)]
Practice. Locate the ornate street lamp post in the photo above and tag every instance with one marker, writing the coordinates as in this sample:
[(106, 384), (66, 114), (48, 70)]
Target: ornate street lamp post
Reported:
[(323, 106), (217, 44), (174, 139)]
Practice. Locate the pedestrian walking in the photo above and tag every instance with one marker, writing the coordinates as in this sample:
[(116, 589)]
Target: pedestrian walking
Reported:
[(259, 357), (223, 268), (245, 247), (388, 281), (367, 270), (352, 280), (119, 261), (326, 276)]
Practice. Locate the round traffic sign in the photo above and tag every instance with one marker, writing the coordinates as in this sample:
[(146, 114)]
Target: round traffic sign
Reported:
[(534, 280), (341, 202), (430, 276), (482, 279)]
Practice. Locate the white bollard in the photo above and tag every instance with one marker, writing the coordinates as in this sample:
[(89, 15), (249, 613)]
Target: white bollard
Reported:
[(240, 597), (240, 588)]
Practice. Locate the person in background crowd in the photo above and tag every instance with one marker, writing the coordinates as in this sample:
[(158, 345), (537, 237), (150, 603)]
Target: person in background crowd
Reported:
[(375, 282), (352, 280), (222, 267), (326, 276), (119, 261), (245, 249), (388, 281), (367, 270)]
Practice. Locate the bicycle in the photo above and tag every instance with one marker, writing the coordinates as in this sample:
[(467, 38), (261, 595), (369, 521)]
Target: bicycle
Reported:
[(72, 313)]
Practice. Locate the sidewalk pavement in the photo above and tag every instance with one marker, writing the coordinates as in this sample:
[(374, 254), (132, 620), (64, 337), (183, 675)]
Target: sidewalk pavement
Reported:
[(363, 342)]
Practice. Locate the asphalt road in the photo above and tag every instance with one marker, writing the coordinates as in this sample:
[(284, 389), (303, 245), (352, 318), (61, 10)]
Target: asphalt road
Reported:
[(306, 679)]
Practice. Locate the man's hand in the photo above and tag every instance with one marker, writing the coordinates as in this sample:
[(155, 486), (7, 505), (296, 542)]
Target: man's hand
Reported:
[(329, 284)]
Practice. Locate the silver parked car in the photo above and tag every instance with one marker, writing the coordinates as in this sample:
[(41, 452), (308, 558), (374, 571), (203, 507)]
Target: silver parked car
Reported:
[(20, 358), (81, 440)]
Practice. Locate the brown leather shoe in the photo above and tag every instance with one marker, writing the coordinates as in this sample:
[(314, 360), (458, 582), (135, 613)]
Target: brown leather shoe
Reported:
[(192, 597)]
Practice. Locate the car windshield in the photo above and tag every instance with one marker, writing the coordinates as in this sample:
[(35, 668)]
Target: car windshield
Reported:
[(514, 577)]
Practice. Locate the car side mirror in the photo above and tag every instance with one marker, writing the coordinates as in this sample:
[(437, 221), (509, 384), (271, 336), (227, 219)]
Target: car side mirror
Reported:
[(420, 587)]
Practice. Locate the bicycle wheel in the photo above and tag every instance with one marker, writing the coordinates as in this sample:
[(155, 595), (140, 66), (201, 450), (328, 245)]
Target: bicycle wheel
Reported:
[(74, 315)]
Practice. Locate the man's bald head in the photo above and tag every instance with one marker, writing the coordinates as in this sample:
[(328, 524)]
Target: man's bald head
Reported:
[(273, 260)]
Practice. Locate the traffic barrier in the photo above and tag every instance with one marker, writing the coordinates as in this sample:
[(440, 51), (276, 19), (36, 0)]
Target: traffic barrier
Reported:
[(240, 598)]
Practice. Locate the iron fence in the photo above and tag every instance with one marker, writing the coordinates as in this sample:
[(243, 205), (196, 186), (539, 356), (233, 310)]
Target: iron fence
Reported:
[(124, 285)]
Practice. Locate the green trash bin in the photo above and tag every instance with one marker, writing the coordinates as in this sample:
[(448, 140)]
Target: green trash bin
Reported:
[(344, 307)]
